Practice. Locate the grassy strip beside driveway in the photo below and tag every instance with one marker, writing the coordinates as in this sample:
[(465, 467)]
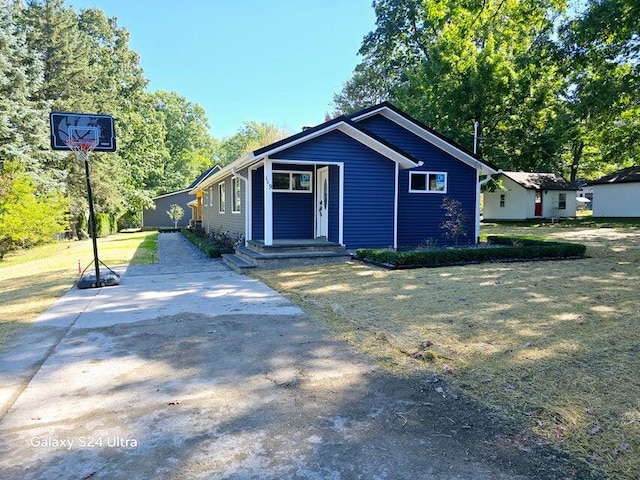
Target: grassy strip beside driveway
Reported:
[(31, 280), (555, 344)]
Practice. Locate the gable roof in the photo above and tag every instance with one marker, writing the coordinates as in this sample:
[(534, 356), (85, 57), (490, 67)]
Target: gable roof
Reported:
[(626, 175), (348, 124), (539, 181), (432, 136), (206, 174)]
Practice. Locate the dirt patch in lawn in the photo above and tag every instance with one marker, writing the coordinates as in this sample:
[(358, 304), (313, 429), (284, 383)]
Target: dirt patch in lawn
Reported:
[(555, 345)]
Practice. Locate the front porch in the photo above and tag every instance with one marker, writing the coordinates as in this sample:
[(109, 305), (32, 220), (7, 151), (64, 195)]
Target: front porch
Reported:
[(285, 253)]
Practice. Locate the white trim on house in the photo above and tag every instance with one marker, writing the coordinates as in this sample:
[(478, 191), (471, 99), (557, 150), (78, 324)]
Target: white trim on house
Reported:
[(396, 200), (268, 202), (236, 197), (222, 198), (430, 137), (354, 133), (342, 126), (427, 174), (172, 193)]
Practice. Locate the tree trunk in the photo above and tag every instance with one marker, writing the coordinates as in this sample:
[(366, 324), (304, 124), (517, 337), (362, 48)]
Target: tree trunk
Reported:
[(576, 156)]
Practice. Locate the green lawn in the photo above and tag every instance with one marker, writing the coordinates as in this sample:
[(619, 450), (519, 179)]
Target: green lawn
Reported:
[(31, 280)]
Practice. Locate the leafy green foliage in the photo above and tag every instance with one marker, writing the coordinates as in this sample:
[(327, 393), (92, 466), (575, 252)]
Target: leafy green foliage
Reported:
[(27, 217), (251, 136), (552, 85), (175, 212)]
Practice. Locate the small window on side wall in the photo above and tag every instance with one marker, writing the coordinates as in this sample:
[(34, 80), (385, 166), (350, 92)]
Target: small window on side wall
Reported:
[(502, 199), (221, 198), (236, 192), (562, 201), (427, 182)]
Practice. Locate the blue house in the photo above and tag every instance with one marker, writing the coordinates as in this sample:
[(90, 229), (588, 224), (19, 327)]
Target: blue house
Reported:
[(375, 178)]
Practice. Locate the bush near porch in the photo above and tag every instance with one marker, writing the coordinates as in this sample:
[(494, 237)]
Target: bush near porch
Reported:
[(554, 345), (497, 248)]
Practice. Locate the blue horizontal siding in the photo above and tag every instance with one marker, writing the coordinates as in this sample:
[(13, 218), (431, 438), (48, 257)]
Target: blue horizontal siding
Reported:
[(334, 204), (293, 212), (369, 180), (420, 215), (257, 212)]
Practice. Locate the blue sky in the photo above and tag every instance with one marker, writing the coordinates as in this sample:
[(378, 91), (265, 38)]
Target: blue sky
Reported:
[(276, 61)]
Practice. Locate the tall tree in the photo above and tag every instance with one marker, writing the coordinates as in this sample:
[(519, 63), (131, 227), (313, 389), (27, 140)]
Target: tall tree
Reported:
[(251, 136), (600, 51), (190, 147), (23, 129), (452, 63)]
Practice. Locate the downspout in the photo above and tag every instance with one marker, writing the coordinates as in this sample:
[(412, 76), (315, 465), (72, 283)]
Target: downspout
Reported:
[(478, 190), (246, 202)]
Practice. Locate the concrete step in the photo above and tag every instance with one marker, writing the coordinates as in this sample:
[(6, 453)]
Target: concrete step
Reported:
[(236, 263), (290, 246), (284, 259)]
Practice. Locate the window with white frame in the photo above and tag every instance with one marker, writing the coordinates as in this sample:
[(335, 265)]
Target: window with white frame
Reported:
[(427, 182), (291, 181), (221, 198), (562, 201), (236, 191), (502, 199)]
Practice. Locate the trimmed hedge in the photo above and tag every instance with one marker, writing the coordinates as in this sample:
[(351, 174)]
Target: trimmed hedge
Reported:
[(202, 243), (505, 249)]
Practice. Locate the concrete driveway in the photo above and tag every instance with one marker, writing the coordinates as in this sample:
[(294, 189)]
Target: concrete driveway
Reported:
[(188, 370)]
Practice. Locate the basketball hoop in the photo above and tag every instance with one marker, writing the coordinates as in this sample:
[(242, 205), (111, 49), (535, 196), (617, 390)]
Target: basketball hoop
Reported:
[(81, 146), (82, 141)]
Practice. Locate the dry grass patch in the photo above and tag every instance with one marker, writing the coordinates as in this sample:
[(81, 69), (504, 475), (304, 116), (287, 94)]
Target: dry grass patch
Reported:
[(31, 280), (554, 343)]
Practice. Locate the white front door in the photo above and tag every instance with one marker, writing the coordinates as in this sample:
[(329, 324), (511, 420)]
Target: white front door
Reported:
[(322, 203)]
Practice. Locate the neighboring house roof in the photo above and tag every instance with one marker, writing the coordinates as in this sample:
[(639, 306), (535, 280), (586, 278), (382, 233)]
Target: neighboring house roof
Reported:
[(539, 181), (203, 176), (206, 174), (348, 124), (626, 175)]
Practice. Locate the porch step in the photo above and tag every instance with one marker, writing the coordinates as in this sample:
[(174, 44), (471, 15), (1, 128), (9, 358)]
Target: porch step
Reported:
[(281, 258), (290, 246), (236, 263)]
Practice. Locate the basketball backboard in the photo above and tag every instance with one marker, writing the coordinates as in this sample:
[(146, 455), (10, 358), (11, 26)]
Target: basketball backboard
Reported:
[(69, 128)]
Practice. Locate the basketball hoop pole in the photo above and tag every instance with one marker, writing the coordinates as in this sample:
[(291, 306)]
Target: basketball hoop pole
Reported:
[(92, 216), (82, 133)]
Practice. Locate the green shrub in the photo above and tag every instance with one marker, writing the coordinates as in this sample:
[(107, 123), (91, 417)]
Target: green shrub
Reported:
[(203, 243), (506, 248)]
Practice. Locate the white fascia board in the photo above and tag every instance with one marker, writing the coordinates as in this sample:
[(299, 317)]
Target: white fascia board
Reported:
[(431, 138), (353, 133), (172, 193), (224, 172)]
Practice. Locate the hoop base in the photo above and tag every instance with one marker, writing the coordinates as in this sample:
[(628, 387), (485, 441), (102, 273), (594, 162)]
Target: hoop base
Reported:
[(106, 280)]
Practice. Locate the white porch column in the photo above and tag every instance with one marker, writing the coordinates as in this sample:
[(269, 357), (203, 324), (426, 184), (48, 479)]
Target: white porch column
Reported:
[(341, 208), (268, 202), (478, 184)]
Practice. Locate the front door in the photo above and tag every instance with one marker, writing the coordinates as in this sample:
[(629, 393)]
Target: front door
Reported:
[(322, 203), (538, 205)]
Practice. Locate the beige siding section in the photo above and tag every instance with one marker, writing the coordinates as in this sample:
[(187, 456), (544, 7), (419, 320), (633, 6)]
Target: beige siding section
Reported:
[(515, 205)]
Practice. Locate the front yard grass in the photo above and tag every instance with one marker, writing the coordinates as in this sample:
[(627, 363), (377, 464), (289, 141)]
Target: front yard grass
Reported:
[(31, 280), (555, 344)]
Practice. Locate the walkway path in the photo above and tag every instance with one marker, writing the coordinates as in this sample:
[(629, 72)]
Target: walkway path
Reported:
[(190, 371)]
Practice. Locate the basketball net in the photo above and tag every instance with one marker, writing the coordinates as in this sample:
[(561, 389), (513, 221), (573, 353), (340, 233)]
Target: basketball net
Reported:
[(82, 147)]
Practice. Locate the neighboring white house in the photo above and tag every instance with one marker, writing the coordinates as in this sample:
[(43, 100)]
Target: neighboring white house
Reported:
[(617, 194), (530, 195)]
